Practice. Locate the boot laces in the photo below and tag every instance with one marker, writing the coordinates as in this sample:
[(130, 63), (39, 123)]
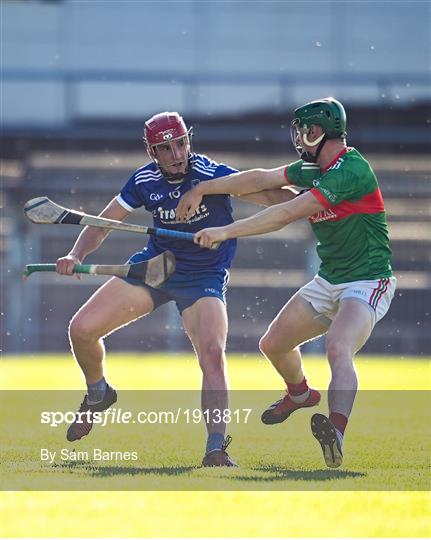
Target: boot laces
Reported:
[(226, 443)]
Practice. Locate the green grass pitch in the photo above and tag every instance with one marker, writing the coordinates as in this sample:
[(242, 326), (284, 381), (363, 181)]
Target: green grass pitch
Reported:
[(284, 491)]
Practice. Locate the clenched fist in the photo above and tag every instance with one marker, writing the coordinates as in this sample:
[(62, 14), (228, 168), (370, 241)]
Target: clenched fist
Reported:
[(209, 238), (66, 264), (188, 204)]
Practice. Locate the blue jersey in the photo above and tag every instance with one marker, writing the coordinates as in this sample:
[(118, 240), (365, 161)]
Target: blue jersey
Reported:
[(147, 187)]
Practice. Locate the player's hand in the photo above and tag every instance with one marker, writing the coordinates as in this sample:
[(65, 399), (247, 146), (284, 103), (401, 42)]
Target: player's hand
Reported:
[(211, 237), (188, 204), (66, 264)]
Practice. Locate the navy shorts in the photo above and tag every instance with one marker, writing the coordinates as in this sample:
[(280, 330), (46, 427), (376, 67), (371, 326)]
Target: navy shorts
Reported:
[(185, 288)]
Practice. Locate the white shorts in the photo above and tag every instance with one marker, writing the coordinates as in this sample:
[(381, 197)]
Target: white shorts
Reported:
[(325, 298)]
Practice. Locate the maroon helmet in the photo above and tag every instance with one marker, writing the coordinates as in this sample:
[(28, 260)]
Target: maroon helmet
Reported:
[(164, 127)]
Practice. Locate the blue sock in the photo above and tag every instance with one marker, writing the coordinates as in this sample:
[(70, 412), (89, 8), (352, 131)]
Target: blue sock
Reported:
[(215, 442), (96, 391)]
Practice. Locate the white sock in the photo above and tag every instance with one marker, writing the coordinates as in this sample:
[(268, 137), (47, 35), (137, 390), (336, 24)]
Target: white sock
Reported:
[(301, 398), (93, 402), (340, 437)]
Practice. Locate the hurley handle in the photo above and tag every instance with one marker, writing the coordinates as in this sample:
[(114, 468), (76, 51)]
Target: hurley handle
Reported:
[(51, 267), (168, 233), (179, 235)]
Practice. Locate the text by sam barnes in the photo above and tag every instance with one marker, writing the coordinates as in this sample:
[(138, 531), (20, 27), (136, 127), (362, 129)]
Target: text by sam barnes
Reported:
[(96, 454)]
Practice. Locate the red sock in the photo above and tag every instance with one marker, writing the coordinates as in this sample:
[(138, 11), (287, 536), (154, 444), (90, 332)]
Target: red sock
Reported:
[(339, 421), (297, 389)]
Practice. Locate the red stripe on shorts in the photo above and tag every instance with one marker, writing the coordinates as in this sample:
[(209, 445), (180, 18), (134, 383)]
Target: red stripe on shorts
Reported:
[(381, 293), (374, 292)]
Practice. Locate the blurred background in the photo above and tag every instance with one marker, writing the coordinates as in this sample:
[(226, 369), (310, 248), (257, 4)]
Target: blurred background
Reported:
[(79, 78)]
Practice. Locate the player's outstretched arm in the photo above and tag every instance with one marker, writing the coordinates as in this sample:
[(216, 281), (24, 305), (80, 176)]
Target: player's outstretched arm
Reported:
[(90, 239), (237, 184), (269, 197), (271, 219)]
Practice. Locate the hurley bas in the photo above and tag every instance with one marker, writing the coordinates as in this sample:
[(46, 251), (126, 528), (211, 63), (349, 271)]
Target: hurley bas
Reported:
[(97, 454)]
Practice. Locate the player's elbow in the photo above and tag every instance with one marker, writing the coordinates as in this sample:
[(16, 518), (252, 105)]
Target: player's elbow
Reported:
[(278, 196)]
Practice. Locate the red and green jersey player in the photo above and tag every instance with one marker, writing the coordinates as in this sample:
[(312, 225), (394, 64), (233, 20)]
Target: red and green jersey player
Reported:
[(352, 233), (354, 285)]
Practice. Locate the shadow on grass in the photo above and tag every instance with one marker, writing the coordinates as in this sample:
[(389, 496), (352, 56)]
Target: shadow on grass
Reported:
[(279, 473), (274, 473), (98, 471), (164, 471)]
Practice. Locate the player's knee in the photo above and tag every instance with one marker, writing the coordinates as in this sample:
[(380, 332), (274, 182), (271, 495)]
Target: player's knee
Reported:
[(80, 331), (339, 352), (265, 345), (213, 350), (271, 347), (212, 358)]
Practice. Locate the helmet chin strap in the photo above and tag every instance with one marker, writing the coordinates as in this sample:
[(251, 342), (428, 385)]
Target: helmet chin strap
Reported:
[(175, 178), (308, 156)]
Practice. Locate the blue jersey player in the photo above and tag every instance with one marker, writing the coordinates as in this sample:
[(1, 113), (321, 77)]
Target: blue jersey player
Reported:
[(197, 286)]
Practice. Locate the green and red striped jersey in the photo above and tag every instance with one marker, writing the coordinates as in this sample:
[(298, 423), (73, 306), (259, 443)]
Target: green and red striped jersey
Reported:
[(352, 232)]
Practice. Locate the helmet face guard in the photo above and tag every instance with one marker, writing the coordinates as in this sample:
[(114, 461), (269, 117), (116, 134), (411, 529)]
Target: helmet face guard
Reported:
[(295, 136), (299, 137), (168, 129)]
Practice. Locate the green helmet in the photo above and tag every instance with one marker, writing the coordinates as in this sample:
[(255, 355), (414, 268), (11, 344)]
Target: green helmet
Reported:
[(327, 113)]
